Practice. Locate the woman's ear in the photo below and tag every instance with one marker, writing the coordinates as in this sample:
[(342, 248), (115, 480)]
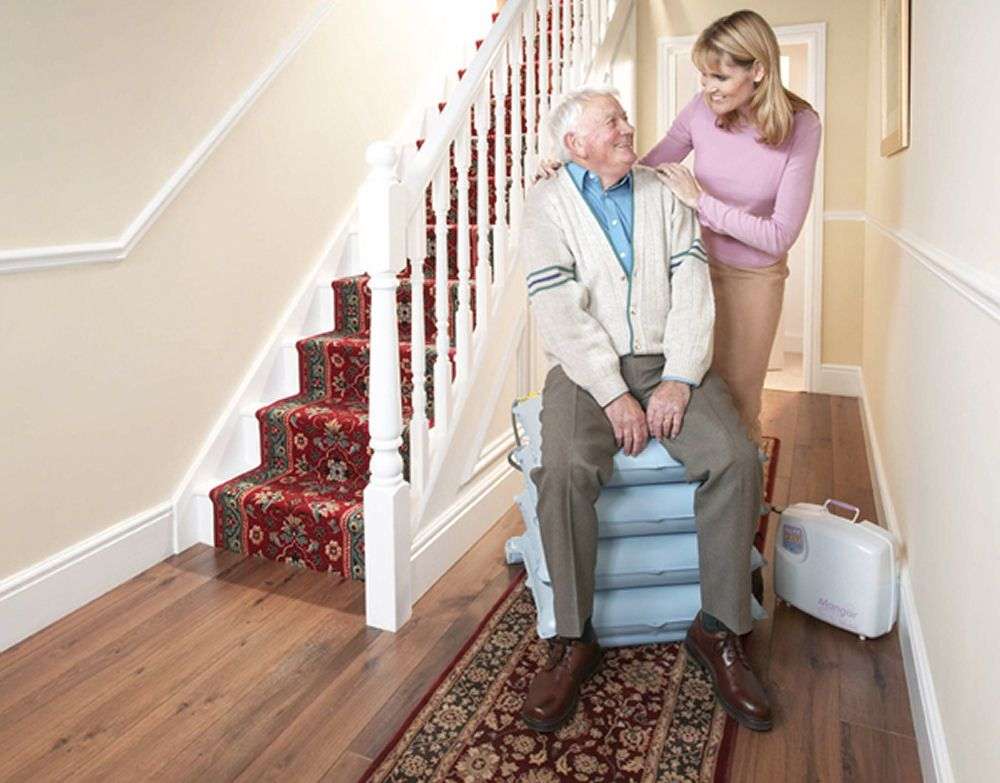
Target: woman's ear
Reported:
[(757, 71)]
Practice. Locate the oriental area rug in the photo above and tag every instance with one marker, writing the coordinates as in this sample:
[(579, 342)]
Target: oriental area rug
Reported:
[(649, 714)]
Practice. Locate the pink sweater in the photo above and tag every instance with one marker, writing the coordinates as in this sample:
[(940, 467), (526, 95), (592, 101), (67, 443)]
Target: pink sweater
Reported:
[(755, 197)]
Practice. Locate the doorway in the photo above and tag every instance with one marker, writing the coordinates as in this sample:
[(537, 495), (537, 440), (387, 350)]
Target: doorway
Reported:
[(794, 364)]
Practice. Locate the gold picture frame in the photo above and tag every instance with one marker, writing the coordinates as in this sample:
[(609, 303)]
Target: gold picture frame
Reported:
[(895, 32)]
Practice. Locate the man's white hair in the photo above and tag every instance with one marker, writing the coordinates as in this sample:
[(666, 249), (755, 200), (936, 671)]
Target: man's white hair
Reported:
[(565, 115)]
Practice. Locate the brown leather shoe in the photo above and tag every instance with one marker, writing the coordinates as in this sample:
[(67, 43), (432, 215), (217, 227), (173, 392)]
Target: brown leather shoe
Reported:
[(737, 687), (553, 694)]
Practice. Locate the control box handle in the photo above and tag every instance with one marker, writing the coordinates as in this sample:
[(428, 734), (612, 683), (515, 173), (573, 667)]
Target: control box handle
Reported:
[(846, 506)]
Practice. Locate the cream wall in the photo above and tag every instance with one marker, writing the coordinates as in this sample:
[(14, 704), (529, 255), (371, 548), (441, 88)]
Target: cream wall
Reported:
[(930, 362), (88, 81), (844, 132), (113, 374)]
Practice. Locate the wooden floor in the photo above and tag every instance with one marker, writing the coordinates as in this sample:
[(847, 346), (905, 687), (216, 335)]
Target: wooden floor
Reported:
[(209, 667)]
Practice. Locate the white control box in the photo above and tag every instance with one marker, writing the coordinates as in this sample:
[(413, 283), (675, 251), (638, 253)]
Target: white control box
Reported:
[(839, 570)]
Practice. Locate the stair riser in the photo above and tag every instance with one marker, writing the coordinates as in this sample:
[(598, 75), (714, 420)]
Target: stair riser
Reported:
[(337, 370), (354, 296)]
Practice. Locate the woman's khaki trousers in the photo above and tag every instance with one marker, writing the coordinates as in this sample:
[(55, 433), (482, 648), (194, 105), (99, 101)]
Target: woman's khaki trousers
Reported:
[(747, 309)]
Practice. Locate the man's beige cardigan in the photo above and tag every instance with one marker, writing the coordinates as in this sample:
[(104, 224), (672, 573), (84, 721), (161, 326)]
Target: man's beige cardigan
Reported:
[(589, 312)]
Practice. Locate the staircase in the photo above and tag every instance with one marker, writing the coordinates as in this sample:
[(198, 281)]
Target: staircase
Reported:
[(379, 394)]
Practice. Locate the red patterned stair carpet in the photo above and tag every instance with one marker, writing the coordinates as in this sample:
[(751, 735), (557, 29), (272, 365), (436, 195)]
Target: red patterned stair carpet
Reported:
[(303, 503)]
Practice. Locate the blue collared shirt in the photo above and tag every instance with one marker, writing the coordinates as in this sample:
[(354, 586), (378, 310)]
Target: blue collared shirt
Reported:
[(611, 207)]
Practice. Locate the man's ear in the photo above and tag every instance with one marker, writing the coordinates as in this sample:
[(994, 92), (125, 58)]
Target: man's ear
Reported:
[(573, 143)]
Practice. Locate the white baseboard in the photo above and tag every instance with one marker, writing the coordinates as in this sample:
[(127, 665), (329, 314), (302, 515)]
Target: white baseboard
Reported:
[(792, 343), (935, 762), (49, 590), (440, 544), (840, 379)]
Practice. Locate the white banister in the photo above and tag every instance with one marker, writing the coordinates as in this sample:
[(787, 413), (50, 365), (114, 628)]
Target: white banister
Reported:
[(382, 204), (456, 113)]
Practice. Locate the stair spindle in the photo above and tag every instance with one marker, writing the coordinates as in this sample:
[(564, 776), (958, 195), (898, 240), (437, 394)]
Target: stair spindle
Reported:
[(543, 68), (417, 236), (567, 51), (382, 203), (579, 67), (482, 121), (555, 33), (500, 168), (590, 22), (440, 197), (531, 152), (463, 319), (516, 151)]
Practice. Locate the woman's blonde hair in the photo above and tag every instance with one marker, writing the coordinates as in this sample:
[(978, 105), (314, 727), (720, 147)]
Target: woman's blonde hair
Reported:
[(746, 38)]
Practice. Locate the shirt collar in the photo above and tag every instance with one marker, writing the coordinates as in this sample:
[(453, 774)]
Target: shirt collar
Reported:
[(585, 177)]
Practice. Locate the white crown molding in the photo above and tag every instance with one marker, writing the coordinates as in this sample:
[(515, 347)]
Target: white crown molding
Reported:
[(935, 760), (39, 595), (29, 258)]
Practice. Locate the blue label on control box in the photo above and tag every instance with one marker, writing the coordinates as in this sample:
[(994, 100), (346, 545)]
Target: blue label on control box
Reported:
[(793, 539)]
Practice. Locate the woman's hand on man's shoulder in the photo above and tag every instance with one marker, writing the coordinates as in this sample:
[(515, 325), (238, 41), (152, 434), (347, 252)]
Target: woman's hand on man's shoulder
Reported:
[(681, 182), (547, 169)]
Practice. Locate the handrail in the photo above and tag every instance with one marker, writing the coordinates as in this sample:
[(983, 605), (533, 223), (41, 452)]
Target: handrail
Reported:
[(426, 162)]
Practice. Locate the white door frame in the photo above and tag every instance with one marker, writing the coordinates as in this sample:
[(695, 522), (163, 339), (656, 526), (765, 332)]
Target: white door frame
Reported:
[(669, 50)]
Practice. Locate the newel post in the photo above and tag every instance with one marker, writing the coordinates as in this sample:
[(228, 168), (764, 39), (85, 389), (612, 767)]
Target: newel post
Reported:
[(387, 496)]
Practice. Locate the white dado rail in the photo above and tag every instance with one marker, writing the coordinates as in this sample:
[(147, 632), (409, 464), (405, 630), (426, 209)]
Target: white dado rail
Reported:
[(393, 226)]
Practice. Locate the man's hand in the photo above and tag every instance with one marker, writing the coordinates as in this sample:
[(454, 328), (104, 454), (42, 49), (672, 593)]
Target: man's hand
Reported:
[(665, 412), (681, 181), (629, 422)]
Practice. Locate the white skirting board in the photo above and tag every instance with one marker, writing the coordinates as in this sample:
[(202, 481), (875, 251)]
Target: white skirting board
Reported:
[(49, 590), (843, 380), (441, 543), (935, 762)]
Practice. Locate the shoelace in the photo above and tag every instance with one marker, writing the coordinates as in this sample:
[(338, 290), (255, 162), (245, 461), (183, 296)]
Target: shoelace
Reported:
[(731, 649), (557, 651)]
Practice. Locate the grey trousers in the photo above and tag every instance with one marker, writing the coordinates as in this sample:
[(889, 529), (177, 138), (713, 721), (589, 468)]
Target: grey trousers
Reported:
[(578, 445)]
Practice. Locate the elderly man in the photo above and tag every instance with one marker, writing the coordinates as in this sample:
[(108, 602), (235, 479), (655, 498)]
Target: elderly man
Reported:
[(620, 290)]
